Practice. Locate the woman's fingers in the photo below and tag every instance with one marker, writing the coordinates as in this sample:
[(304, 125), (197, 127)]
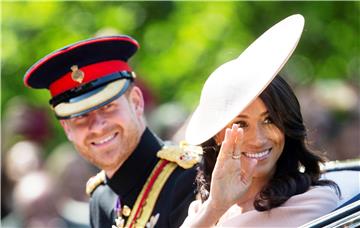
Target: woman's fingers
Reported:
[(228, 146), (225, 149), (247, 169), (238, 143)]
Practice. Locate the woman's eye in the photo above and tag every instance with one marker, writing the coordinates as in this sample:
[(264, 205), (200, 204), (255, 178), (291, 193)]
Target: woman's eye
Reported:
[(268, 120), (241, 124)]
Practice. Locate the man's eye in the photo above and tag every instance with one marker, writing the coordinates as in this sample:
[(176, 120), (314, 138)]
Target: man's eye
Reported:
[(79, 119), (108, 106)]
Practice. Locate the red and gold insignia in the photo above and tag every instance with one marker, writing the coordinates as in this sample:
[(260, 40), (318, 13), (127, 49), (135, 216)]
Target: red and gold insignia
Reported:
[(77, 75)]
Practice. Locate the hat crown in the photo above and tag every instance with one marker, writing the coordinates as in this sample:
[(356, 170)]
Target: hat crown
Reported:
[(83, 53)]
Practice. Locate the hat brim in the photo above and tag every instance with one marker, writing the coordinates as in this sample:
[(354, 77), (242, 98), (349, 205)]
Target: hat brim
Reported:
[(92, 100), (235, 84)]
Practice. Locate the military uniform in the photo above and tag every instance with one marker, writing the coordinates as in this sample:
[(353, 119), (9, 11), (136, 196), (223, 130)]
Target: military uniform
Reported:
[(172, 202), (155, 185)]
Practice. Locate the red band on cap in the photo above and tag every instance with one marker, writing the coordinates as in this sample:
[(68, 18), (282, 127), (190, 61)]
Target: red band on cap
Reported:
[(91, 72)]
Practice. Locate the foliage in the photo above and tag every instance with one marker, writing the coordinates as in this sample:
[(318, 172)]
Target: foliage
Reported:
[(181, 42)]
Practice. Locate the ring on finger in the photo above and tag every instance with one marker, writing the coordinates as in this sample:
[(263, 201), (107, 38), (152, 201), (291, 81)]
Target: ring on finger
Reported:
[(236, 156)]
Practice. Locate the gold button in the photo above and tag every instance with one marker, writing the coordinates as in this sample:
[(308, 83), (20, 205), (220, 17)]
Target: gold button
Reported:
[(126, 211)]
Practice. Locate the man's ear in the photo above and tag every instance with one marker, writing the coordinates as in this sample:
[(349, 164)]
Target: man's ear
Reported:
[(137, 100), (67, 129)]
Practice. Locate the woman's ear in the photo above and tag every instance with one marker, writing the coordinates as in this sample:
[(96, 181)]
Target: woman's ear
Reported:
[(67, 130), (137, 100)]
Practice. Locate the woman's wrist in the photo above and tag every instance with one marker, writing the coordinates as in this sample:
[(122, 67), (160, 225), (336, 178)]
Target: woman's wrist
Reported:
[(215, 205), (210, 213)]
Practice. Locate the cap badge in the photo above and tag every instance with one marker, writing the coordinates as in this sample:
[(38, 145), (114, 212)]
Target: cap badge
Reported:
[(77, 75)]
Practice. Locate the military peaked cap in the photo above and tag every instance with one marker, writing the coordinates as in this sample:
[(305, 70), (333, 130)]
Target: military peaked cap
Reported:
[(86, 75)]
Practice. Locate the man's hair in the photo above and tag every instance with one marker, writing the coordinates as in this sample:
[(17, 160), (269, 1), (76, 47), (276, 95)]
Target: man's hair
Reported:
[(298, 167)]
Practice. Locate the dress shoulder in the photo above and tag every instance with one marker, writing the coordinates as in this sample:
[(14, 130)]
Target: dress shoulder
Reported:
[(296, 211), (316, 196)]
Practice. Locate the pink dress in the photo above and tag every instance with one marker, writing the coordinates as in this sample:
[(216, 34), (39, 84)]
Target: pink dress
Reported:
[(295, 212)]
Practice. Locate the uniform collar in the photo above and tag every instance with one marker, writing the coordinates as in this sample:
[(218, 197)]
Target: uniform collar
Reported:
[(135, 170)]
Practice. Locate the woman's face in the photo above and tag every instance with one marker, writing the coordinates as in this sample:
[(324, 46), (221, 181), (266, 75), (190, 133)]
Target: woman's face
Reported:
[(262, 140)]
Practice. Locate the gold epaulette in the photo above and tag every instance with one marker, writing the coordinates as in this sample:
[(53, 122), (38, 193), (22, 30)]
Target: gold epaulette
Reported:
[(94, 182), (185, 155)]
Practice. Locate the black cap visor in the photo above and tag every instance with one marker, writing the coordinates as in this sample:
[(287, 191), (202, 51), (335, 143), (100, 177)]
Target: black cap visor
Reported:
[(92, 100)]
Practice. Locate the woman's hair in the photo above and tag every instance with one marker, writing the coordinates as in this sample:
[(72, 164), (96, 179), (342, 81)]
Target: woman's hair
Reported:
[(298, 167)]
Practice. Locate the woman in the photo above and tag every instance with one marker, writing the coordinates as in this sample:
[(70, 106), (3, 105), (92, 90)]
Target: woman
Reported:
[(256, 168)]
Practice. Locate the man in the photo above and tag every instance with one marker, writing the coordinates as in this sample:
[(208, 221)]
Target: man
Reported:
[(102, 113)]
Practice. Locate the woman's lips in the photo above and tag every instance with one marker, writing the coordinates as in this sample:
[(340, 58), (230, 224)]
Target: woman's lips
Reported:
[(257, 155)]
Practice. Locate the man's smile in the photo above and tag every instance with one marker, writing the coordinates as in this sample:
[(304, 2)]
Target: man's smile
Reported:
[(103, 141)]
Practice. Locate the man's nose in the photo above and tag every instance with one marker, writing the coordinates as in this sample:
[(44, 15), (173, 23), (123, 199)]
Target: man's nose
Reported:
[(97, 122)]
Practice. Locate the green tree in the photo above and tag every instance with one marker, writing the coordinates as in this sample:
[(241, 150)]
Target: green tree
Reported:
[(181, 42)]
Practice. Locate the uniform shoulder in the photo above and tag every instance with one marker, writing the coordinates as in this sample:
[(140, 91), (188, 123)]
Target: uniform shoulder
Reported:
[(94, 182), (184, 155)]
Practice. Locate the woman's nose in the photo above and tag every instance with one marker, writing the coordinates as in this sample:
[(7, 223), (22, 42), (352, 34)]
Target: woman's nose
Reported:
[(257, 136)]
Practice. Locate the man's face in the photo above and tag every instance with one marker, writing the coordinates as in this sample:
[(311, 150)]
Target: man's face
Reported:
[(107, 136)]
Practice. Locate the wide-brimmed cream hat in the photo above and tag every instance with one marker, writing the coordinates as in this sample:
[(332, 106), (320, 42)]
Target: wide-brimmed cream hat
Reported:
[(235, 84)]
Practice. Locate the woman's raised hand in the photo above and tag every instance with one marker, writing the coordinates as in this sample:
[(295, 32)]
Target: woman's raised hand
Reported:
[(232, 173), (231, 178)]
